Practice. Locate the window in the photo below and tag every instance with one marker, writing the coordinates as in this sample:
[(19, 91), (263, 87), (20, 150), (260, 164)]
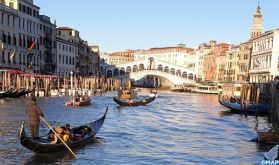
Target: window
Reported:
[(14, 40), (11, 5), (8, 20), (9, 39), (4, 37), (2, 18)]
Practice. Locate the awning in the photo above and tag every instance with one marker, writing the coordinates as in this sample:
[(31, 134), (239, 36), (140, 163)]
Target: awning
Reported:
[(40, 75), (12, 70)]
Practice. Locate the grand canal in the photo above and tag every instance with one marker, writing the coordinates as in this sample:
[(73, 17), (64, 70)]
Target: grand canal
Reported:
[(177, 128)]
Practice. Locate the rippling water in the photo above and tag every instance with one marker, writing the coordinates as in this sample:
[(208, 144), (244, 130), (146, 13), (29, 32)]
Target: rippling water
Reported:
[(177, 128)]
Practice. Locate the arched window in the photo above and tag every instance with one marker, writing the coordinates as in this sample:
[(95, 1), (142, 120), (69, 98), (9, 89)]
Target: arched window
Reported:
[(160, 67), (178, 73), (191, 77), (184, 74), (109, 73), (141, 67), (166, 69), (172, 71), (115, 72)]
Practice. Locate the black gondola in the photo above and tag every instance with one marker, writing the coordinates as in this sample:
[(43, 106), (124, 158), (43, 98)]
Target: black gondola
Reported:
[(42, 145), (133, 102), (4, 94), (261, 109)]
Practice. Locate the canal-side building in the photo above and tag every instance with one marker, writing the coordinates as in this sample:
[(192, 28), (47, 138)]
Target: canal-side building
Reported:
[(67, 40), (47, 42), (244, 61), (232, 64), (122, 57), (211, 67), (84, 58), (177, 55), (95, 59), (203, 50), (219, 52), (27, 41), (264, 58)]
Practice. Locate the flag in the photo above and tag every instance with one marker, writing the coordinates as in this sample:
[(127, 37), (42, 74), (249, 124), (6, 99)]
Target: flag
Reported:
[(12, 55), (32, 45)]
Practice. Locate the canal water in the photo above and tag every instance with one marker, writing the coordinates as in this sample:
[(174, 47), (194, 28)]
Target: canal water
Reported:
[(177, 128)]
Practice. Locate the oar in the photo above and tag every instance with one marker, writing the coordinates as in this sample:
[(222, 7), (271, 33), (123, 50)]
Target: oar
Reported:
[(59, 137)]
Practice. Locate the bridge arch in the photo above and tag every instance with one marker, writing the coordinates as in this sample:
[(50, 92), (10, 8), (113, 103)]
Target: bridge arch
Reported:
[(177, 80), (135, 68), (160, 67), (122, 71), (141, 66), (166, 69), (115, 72), (128, 70), (172, 71)]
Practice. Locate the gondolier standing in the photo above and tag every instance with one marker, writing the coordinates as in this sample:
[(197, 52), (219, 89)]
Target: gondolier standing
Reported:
[(33, 111)]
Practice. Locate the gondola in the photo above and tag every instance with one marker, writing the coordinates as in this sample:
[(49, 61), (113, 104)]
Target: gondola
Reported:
[(4, 94), (42, 145), (77, 102), (261, 109), (134, 102)]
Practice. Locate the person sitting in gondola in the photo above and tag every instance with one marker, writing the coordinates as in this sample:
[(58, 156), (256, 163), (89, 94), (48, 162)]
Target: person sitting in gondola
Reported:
[(67, 133), (53, 139)]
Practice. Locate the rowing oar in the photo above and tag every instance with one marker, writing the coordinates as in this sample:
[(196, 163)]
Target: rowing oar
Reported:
[(59, 137)]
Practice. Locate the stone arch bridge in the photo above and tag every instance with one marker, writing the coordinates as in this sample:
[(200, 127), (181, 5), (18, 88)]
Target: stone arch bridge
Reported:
[(141, 68)]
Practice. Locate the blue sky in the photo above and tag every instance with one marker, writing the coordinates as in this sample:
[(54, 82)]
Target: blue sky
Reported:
[(117, 25)]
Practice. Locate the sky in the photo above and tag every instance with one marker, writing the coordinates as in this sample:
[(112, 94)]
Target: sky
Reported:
[(117, 25)]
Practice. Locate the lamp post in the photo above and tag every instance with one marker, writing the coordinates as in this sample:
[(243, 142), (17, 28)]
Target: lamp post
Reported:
[(72, 82)]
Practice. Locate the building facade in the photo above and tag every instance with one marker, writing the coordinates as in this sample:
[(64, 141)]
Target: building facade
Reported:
[(67, 51), (27, 39), (264, 58), (177, 55), (121, 57)]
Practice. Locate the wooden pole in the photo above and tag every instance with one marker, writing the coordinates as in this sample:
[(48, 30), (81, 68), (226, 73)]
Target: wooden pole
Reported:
[(59, 137)]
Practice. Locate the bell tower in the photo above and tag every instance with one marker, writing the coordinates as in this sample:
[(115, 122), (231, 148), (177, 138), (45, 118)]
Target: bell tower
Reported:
[(256, 28)]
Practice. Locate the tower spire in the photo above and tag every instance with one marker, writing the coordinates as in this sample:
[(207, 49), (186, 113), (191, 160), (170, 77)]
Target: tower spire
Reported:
[(256, 28)]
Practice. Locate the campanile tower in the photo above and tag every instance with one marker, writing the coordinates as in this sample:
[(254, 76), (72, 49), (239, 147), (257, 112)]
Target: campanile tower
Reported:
[(256, 28)]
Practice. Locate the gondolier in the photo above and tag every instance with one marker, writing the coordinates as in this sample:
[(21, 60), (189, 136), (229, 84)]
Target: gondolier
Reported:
[(33, 111)]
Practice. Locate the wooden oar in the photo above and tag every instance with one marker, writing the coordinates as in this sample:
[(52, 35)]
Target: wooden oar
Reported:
[(59, 137)]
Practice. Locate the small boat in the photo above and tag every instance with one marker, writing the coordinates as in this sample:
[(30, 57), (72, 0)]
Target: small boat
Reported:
[(42, 145), (82, 101), (128, 102), (272, 154), (127, 94), (153, 93), (207, 89), (250, 108), (267, 136)]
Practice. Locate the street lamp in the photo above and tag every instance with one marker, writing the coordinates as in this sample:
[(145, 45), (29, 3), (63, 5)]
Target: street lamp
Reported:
[(72, 82)]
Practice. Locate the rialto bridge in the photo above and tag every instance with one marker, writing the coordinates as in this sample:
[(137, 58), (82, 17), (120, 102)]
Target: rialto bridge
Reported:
[(137, 70)]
